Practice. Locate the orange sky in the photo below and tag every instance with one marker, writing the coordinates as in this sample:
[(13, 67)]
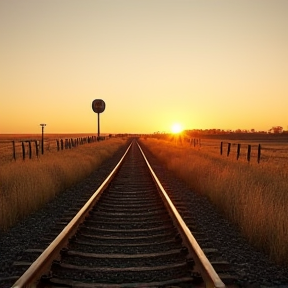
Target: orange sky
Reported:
[(202, 63)]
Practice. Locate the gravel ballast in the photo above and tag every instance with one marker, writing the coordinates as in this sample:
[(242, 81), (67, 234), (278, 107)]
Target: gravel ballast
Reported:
[(253, 267)]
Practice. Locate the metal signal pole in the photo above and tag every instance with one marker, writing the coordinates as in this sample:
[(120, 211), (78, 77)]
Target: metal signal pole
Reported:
[(98, 106)]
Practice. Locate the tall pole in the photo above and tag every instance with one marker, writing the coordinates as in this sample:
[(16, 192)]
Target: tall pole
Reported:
[(98, 126), (98, 106), (42, 146)]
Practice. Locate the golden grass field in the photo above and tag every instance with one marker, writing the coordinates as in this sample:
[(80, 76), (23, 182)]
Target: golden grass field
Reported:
[(26, 186), (253, 196)]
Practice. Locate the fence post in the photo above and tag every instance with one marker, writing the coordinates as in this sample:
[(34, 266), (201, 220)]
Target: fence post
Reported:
[(23, 150), (259, 153), (238, 150), (30, 149), (228, 149), (249, 153), (58, 144), (221, 148), (62, 144), (36, 148), (14, 151)]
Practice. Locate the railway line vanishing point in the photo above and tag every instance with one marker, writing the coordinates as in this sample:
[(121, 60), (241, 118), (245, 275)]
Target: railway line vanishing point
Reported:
[(128, 234)]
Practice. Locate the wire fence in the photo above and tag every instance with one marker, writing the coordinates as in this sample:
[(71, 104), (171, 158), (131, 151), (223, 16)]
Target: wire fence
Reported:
[(22, 149), (246, 150)]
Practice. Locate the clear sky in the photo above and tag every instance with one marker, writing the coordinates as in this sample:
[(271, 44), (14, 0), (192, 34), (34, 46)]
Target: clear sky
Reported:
[(203, 63)]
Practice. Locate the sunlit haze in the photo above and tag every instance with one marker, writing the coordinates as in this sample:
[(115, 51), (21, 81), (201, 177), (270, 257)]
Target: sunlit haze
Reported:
[(176, 128), (205, 63)]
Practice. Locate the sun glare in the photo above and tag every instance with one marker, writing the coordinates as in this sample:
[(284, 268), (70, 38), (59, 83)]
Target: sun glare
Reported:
[(176, 128)]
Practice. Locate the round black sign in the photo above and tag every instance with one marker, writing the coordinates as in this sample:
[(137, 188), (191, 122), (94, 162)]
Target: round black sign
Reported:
[(98, 105)]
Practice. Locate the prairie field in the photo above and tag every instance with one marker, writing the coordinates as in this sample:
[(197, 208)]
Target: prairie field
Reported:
[(26, 186), (251, 195)]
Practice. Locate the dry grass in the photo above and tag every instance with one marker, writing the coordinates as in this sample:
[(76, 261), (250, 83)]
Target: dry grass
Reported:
[(253, 196), (26, 185)]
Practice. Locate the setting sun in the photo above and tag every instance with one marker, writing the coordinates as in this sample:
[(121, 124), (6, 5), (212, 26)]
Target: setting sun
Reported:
[(176, 128)]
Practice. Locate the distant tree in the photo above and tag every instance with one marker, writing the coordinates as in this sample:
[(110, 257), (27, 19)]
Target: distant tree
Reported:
[(276, 129), (252, 130)]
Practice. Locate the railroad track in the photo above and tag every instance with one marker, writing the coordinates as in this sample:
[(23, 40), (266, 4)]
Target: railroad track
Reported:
[(129, 234)]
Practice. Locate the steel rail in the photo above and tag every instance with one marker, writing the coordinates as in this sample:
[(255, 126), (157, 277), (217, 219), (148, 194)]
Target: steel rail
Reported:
[(41, 264), (205, 268)]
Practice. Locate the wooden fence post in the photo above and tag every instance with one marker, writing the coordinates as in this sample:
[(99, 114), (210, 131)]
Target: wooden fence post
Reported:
[(249, 153), (259, 153), (58, 144), (23, 150), (62, 144), (30, 149), (14, 150), (228, 149), (221, 148), (238, 150), (36, 148)]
